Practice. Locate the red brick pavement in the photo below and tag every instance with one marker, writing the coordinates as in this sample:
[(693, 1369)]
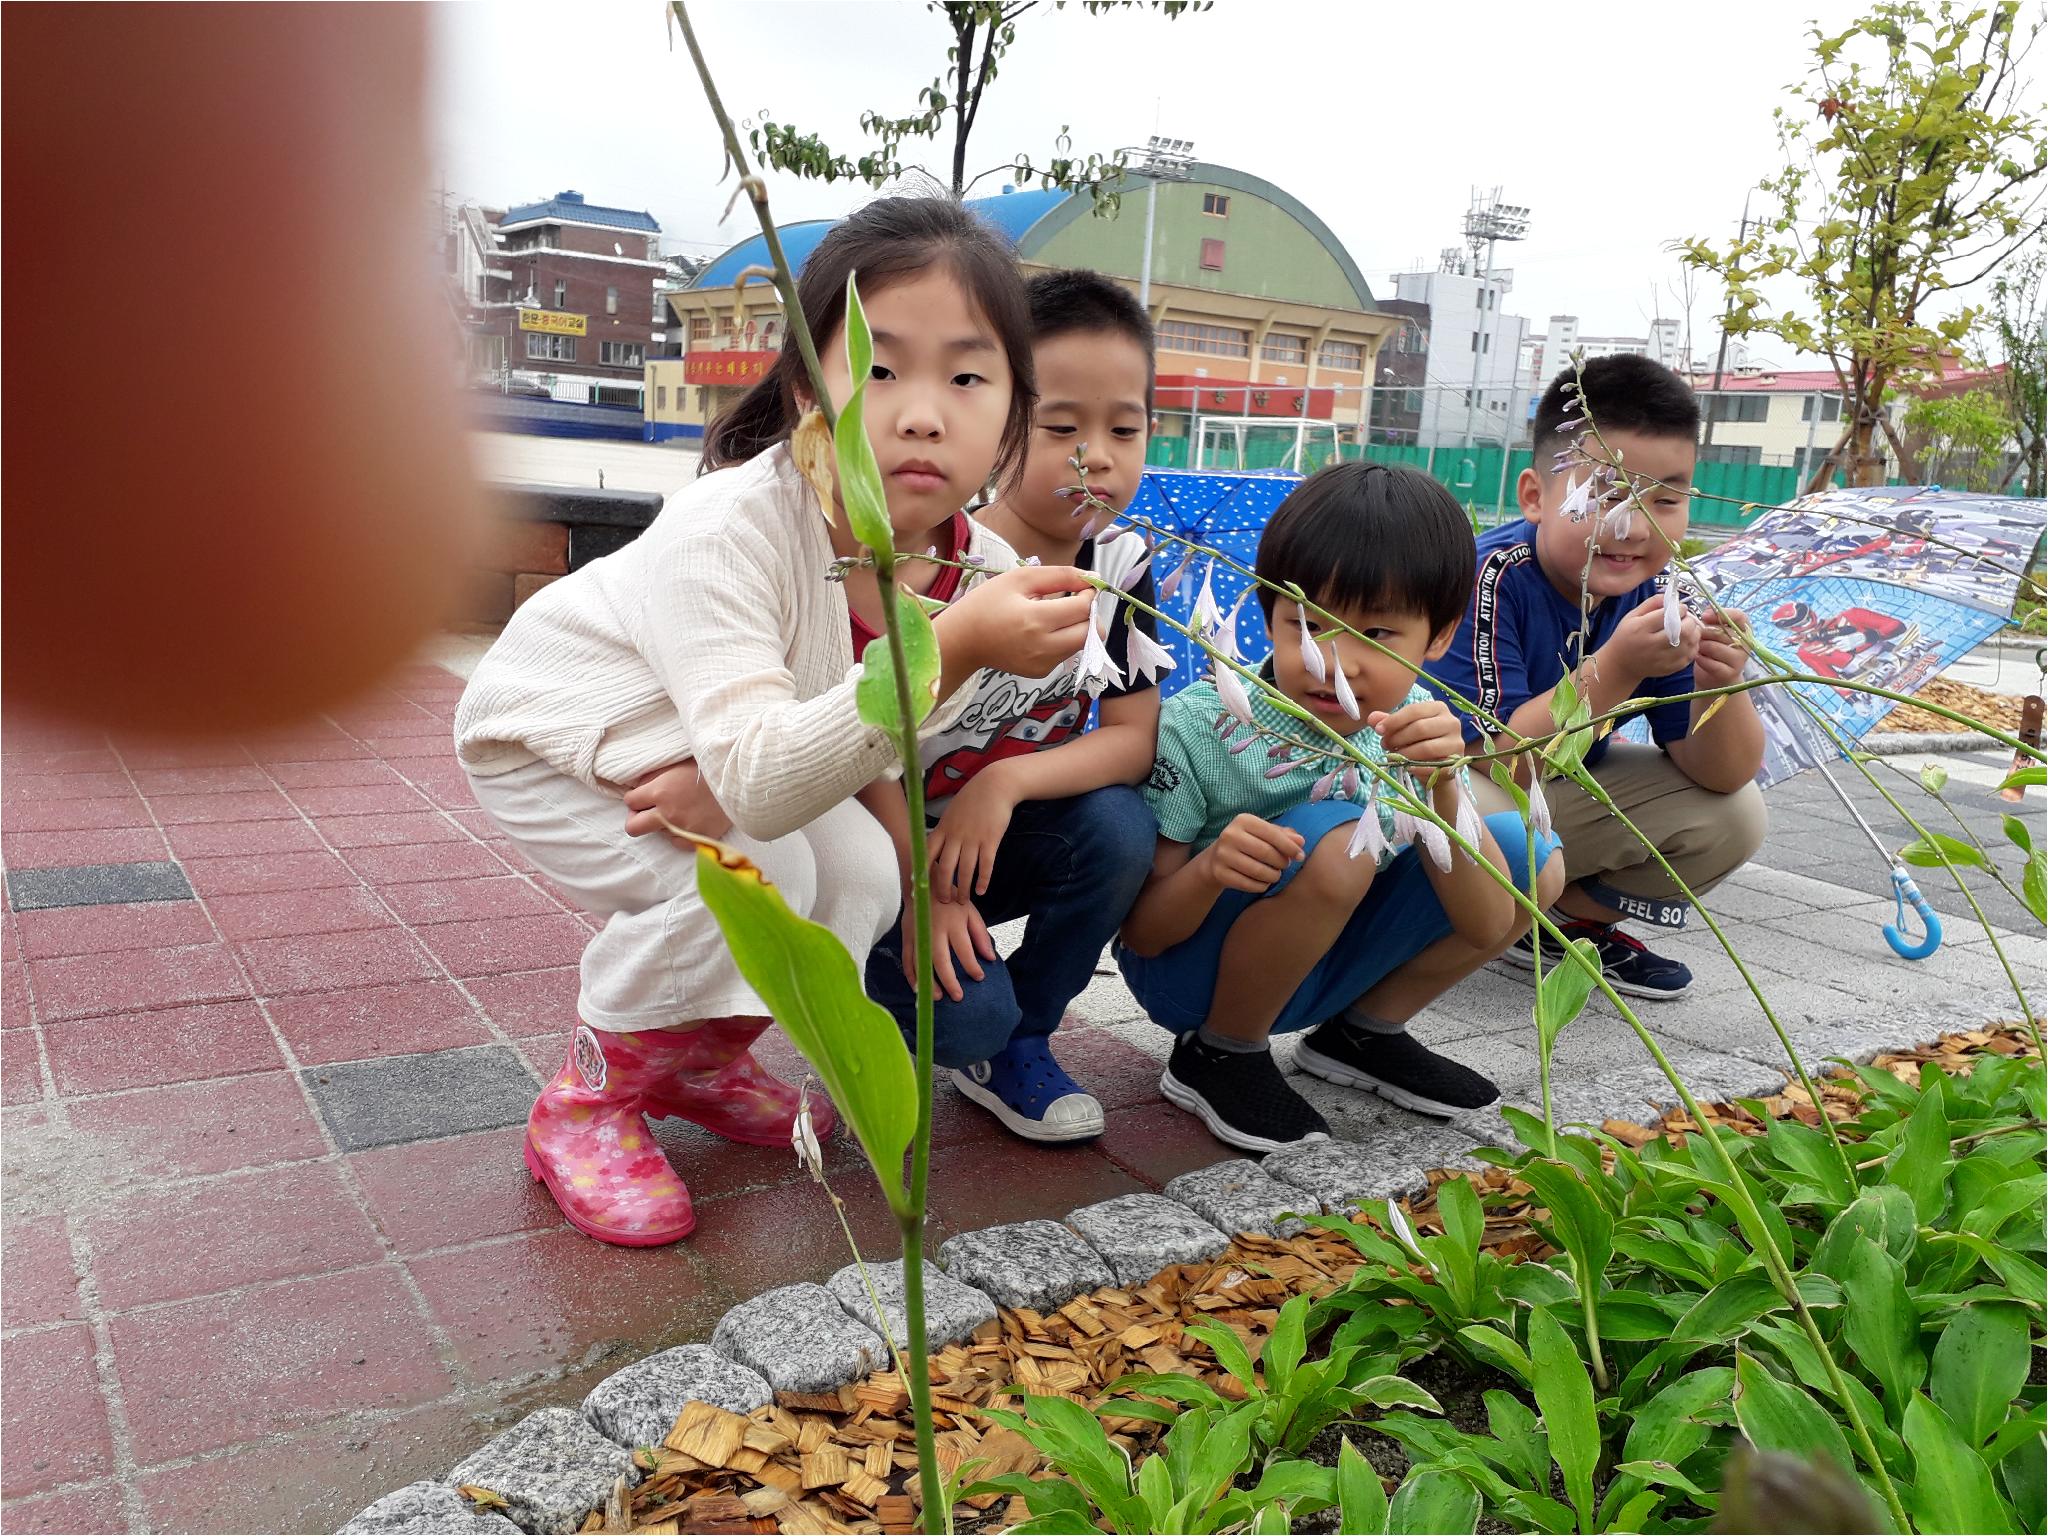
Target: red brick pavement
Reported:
[(236, 1297)]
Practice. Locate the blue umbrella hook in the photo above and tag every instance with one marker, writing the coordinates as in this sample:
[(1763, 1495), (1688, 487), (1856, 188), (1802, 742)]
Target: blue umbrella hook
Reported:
[(1904, 891)]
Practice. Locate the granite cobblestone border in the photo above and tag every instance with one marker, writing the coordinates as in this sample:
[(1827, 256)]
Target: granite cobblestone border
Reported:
[(556, 1465)]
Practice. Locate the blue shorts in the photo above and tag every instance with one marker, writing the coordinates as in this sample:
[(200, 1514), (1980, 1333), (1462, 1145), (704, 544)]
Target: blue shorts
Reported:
[(1399, 918)]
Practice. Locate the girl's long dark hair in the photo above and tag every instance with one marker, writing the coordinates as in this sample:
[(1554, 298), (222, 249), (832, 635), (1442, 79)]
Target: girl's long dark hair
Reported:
[(891, 239)]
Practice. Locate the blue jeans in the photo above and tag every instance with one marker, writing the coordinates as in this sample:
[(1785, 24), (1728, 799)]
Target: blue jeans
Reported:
[(1399, 918), (1072, 868)]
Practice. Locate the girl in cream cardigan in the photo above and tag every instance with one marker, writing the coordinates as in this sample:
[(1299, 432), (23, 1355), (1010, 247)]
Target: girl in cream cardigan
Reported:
[(704, 675)]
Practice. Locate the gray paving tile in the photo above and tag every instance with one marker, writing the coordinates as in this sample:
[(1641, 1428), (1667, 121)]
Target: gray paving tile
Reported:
[(413, 1098), (96, 885)]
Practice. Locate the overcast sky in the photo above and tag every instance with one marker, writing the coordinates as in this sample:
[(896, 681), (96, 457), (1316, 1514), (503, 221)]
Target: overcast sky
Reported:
[(1623, 125)]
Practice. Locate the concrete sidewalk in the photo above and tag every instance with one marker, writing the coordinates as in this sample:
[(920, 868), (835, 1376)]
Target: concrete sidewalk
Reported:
[(271, 1018)]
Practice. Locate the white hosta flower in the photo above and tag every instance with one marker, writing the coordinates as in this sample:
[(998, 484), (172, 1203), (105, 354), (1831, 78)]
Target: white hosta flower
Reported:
[(1539, 809), (1098, 668), (1208, 612), (1618, 522), (1674, 612), (1147, 657), (1404, 823), (1435, 842), (1311, 653), (1578, 499), (1369, 837), (1404, 1233), (803, 1137), (1170, 583), (1224, 635), (1230, 689), (1470, 828), (1345, 697)]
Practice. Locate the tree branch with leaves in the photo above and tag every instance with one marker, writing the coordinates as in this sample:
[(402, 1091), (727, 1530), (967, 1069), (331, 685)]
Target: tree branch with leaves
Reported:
[(1915, 167)]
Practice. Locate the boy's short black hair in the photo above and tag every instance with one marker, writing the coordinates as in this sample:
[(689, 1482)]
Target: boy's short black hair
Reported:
[(1624, 393), (1372, 536), (1075, 299)]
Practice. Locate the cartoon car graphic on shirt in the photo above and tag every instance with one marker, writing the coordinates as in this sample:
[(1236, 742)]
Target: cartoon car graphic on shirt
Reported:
[(1044, 725)]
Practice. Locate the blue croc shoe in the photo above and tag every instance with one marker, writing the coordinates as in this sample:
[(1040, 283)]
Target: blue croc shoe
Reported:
[(1028, 1091)]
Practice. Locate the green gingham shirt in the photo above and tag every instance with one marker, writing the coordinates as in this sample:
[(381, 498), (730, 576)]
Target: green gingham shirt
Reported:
[(1198, 786)]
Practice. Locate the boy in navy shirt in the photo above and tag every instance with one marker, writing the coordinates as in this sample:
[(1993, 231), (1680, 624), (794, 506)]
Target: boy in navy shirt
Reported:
[(1692, 789)]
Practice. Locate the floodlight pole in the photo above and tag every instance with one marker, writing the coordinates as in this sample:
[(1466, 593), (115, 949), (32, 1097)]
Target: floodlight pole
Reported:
[(1164, 160), (1490, 221)]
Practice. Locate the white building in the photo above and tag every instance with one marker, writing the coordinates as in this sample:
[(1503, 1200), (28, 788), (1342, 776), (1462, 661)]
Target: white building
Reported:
[(1475, 387), (1551, 353)]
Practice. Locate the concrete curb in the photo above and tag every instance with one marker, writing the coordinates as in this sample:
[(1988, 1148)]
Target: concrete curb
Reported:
[(1906, 743), (556, 1465)]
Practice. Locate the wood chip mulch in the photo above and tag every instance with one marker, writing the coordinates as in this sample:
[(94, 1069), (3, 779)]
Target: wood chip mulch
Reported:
[(1998, 709), (845, 1461)]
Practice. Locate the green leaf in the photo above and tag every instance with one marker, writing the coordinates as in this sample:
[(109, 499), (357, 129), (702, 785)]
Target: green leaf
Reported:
[(1808, 1152), (1779, 1416), (860, 477), (1564, 1396), (1581, 1225), (1881, 1324), (1285, 1344), (1431, 1500), (811, 985), (1514, 1426), (1361, 1499), (2018, 833), (2021, 778), (1229, 1351), (1920, 1164), (1498, 1349), (1464, 1225), (1884, 1213), (1980, 1364), (1933, 778), (2026, 1484), (1561, 997), (1927, 852), (875, 693), (1073, 1439), (2034, 884), (1395, 1392), (1951, 1488), (1661, 1474), (1666, 1428), (1225, 1452)]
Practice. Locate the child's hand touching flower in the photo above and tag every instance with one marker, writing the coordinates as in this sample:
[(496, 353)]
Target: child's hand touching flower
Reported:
[(1723, 652), (1425, 733)]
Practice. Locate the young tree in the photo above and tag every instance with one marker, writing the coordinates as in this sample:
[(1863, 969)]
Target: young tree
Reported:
[(1964, 441), (1914, 168), (983, 31), (2017, 331)]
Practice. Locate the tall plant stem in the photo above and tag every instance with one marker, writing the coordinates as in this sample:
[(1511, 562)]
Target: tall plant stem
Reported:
[(910, 1213)]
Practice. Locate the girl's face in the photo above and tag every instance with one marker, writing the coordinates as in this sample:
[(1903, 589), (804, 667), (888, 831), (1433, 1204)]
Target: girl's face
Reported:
[(938, 398)]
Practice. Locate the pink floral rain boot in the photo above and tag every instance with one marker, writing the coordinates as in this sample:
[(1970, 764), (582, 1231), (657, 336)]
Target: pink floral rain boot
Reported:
[(587, 1138), (724, 1089)]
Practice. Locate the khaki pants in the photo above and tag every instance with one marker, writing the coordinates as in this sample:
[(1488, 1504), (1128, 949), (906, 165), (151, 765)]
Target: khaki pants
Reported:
[(1705, 835)]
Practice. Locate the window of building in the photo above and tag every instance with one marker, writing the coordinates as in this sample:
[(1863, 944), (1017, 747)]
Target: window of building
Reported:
[(1212, 255), (1216, 340), (611, 301), (1216, 205), (1732, 453), (661, 397), (1830, 407), (622, 354), (553, 349), (1411, 400), (1278, 348), (1341, 354), (1481, 342), (561, 294), (1741, 407), (616, 394), (700, 327)]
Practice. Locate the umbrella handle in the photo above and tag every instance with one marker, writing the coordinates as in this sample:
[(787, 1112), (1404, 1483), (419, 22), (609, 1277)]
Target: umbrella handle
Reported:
[(1904, 891)]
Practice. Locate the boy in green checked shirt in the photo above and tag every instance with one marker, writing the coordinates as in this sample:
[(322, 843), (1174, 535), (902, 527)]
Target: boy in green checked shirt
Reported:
[(1281, 903)]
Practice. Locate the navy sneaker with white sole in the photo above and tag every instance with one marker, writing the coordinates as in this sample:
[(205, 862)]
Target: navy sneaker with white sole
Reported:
[(1630, 965), (1031, 1093)]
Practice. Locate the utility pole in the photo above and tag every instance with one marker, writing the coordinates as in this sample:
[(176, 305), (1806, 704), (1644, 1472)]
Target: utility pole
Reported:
[(1721, 355), (1487, 222)]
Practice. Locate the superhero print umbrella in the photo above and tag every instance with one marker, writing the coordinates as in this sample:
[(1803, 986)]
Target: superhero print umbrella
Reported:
[(1882, 586)]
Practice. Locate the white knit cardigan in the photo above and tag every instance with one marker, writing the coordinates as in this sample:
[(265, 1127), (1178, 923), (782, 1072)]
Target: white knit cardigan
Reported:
[(713, 636)]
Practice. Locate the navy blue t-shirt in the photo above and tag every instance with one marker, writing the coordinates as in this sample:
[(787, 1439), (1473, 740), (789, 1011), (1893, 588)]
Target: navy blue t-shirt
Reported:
[(1521, 635)]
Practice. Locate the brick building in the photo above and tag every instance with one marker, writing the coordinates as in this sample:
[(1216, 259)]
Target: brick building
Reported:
[(565, 299)]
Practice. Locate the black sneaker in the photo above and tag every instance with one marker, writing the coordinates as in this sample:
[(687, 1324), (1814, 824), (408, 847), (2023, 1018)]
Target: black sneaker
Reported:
[(1240, 1096), (1631, 966), (1397, 1067)]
